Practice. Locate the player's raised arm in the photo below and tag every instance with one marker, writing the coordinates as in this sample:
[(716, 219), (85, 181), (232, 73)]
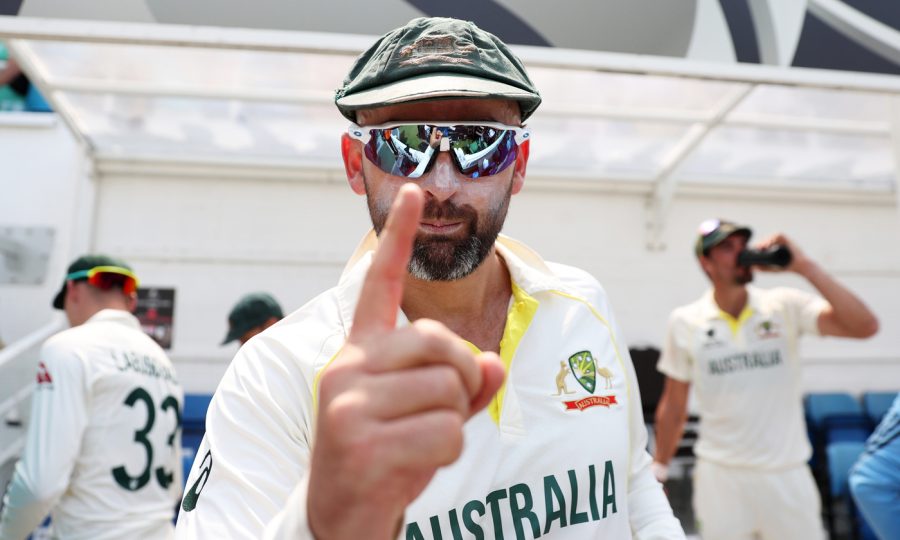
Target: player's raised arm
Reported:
[(393, 403)]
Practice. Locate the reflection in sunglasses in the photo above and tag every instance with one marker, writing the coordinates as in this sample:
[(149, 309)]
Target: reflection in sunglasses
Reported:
[(409, 150)]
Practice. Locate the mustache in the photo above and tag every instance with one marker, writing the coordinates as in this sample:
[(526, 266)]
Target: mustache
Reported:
[(447, 211)]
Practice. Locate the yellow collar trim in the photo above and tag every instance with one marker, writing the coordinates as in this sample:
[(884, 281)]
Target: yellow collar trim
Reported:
[(736, 324), (518, 319)]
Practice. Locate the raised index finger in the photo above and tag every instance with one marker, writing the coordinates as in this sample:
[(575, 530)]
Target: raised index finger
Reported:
[(382, 289)]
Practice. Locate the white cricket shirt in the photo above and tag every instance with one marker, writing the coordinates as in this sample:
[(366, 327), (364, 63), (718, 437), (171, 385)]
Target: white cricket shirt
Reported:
[(550, 457), (746, 375), (103, 452)]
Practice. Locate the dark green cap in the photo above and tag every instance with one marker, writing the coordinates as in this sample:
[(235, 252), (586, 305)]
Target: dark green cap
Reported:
[(436, 58), (252, 310), (712, 231), (85, 262)]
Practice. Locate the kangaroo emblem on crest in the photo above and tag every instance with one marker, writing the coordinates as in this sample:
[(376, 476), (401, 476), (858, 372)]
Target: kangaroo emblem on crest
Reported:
[(561, 380), (606, 374)]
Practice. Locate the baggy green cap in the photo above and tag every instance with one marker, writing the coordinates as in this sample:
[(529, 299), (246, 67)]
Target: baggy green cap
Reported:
[(713, 231), (436, 58), (252, 310), (85, 262)]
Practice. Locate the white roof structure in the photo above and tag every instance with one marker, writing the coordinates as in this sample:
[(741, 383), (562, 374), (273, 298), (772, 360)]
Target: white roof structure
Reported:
[(165, 95)]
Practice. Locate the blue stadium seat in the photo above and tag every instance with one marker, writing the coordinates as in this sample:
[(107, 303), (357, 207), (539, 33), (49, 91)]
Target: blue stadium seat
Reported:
[(195, 406), (193, 422), (186, 463), (846, 427), (832, 417), (876, 405), (841, 458), (821, 406), (190, 442)]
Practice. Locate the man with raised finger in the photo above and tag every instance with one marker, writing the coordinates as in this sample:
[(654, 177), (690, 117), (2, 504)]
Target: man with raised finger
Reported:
[(420, 398)]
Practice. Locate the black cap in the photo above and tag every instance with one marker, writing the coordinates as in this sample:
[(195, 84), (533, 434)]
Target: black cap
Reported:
[(436, 58), (85, 262), (252, 310), (712, 231)]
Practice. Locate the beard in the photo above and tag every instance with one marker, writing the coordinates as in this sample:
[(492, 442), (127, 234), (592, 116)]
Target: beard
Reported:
[(448, 258), (743, 277)]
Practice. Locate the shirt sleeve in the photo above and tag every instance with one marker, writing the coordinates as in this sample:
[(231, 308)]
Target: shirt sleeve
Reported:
[(804, 308), (675, 360), (59, 415), (650, 513), (292, 524), (255, 454)]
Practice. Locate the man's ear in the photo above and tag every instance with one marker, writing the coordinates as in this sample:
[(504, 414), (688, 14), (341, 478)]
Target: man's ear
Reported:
[(352, 154), (131, 301), (73, 293), (705, 264), (520, 167)]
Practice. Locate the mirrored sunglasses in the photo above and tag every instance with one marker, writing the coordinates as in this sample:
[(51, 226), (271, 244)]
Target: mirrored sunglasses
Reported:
[(409, 149), (108, 277)]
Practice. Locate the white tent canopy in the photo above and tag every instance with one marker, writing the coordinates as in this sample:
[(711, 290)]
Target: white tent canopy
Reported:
[(154, 95)]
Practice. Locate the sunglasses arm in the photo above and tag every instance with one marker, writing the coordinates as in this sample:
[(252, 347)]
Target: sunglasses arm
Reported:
[(360, 134)]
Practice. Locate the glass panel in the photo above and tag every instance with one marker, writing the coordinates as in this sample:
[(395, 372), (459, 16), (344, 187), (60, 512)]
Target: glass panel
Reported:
[(173, 127), (602, 147), (742, 154), (815, 103), (592, 89), (207, 68)]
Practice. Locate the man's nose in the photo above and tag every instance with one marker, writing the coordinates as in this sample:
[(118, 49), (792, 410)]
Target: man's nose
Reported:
[(443, 180)]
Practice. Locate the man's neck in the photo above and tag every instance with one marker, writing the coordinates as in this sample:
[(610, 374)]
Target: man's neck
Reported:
[(731, 298), (474, 307)]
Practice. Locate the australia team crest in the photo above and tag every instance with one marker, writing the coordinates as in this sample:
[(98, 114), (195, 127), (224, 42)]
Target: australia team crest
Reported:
[(584, 369)]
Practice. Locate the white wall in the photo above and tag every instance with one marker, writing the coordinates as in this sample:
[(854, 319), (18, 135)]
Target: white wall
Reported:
[(41, 169)]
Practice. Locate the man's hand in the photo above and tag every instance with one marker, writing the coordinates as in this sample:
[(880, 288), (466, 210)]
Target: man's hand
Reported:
[(393, 403), (846, 315), (800, 263), (660, 471)]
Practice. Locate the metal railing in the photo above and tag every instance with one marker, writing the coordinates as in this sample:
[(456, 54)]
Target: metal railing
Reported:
[(18, 363)]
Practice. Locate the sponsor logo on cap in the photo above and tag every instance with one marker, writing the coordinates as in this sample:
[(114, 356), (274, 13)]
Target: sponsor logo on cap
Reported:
[(445, 49)]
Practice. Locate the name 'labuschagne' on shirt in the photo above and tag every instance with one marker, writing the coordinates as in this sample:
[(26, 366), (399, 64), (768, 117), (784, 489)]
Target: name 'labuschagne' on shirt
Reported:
[(518, 502), (745, 361), (143, 364)]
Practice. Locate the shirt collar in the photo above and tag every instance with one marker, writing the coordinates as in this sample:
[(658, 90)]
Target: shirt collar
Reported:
[(115, 315), (711, 309)]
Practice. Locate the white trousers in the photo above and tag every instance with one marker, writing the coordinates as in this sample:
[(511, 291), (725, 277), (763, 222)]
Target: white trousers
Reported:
[(733, 503)]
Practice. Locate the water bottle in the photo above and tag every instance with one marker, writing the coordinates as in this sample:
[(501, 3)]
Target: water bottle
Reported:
[(776, 255)]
